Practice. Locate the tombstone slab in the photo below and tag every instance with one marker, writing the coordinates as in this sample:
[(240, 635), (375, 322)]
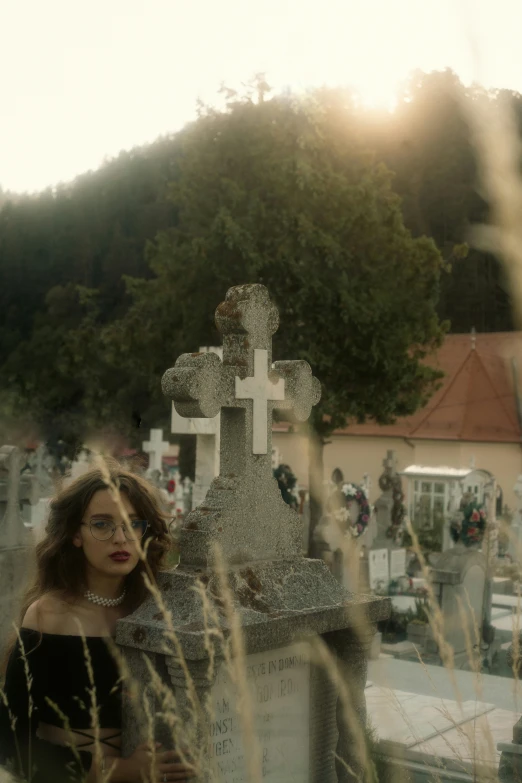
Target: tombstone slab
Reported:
[(460, 581), (281, 600)]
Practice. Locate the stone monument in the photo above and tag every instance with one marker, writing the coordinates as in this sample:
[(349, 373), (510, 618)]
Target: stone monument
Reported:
[(281, 600), (16, 543), (207, 432), (459, 583)]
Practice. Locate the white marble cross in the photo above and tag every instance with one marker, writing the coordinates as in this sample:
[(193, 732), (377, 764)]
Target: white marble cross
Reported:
[(155, 448), (260, 389)]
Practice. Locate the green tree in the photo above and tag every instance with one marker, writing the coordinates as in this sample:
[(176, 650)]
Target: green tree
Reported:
[(282, 191)]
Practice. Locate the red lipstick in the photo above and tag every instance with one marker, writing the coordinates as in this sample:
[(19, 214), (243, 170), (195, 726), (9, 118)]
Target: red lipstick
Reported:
[(120, 557)]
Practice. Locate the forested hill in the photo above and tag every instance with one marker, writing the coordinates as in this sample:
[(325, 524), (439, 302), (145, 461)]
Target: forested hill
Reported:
[(89, 232), (64, 253)]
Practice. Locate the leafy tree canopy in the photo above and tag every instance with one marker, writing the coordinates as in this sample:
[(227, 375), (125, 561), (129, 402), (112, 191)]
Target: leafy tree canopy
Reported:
[(283, 191)]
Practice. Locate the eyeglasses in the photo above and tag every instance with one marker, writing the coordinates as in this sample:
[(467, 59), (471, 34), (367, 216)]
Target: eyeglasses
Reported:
[(102, 529)]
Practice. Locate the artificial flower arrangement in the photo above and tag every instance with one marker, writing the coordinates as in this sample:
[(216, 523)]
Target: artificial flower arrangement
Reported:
[(471, 528)]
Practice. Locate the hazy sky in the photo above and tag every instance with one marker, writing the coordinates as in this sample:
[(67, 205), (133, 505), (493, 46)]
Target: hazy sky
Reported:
[(83, 80)]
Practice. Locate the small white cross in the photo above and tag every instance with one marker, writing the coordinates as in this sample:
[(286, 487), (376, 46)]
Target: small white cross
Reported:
[(261, 390), (156, 447)]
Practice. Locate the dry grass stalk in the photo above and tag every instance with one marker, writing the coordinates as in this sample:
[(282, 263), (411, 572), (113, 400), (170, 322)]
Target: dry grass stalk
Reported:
[(94, 709), (12, 723), (30, 705)]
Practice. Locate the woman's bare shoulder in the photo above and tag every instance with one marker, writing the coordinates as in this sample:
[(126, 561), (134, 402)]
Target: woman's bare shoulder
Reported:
[(51, 613)]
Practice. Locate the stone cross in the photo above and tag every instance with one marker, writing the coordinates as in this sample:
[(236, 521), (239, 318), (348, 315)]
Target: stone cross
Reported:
[(155, 448), (278, 596), (207, 432), (244, 387)]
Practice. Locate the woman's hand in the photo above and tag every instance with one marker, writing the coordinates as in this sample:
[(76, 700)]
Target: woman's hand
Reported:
[(167, 766)]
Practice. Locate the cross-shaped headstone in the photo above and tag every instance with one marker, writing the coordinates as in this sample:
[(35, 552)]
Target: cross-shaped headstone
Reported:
[(207, 433), (243, 509), (155, 448)]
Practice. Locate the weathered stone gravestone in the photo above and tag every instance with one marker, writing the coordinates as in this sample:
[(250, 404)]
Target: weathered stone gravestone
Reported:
[(281, 600), (156, 447), (459, 582), (379, 569), (207, 432), (16, 544), (397, 563)]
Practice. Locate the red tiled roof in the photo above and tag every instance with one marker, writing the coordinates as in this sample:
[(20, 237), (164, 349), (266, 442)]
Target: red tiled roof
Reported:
[(477, 400)]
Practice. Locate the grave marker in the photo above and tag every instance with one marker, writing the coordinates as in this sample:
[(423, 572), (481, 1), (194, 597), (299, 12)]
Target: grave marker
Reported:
[(378, 562), (16, 543), (156, 447), (280, 598), (208, 440), (397, 563), (459, 582)]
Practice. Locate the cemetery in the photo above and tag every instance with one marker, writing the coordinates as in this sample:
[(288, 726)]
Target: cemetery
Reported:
[(269, 364), (400, 582)]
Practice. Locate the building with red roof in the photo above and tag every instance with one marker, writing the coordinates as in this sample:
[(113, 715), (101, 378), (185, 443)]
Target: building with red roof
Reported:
[(474, 418)]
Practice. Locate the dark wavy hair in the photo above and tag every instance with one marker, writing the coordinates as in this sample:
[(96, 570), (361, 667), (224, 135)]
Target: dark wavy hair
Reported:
[(60, 566)]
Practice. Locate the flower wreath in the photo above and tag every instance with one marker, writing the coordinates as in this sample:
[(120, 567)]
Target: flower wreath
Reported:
[(354, 492), (472, 527)]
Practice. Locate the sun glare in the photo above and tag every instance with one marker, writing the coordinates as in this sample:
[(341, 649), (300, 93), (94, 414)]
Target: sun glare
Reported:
[(377, 98), (58, 122)]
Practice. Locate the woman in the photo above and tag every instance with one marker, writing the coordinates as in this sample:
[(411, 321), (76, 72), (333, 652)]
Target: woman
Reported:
[(89, 575)]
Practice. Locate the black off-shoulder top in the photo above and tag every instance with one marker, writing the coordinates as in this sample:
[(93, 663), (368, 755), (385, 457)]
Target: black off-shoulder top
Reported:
[(59, 672)]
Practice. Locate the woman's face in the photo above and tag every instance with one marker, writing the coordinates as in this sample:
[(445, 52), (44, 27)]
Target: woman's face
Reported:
[(110, 555)]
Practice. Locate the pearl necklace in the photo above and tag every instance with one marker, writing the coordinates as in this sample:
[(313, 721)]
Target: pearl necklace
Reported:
[(97, 599)]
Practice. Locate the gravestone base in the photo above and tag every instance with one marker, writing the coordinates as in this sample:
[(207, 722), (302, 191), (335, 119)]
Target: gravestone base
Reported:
[(16, 566), (279, 605)]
